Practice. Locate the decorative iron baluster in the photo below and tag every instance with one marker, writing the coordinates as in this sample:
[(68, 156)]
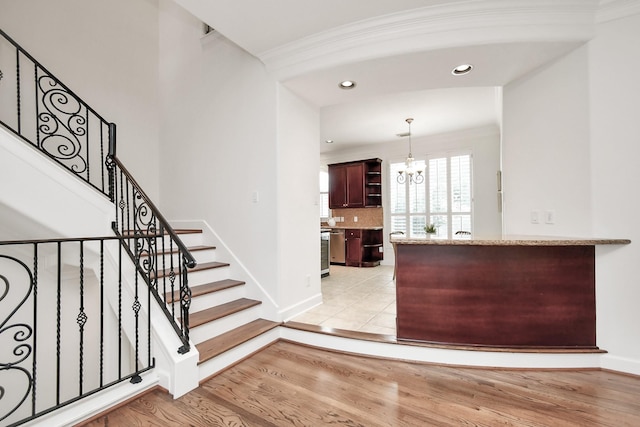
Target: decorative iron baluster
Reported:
[(172, 279), (185, 304), (120, 313), (81, 320), (58, 321), (11, 373), (136, 310), (18, 106), (34, 365), (101, 313), (63, 125)]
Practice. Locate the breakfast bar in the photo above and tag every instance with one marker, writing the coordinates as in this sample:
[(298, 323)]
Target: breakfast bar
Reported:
[(507, 292)]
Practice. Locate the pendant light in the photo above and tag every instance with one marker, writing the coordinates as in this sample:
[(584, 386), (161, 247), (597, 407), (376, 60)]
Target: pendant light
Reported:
[(410, 173)]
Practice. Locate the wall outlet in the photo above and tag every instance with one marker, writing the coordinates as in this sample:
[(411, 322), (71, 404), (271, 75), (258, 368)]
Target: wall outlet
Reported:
[(308, 280), (355, 219)]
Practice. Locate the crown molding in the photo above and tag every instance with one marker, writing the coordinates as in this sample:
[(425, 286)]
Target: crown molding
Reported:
[(610, 10), (436, 27)]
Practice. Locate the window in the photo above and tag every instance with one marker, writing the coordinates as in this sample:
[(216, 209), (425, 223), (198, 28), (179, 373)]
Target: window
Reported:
[(324, 195), (443, 199)]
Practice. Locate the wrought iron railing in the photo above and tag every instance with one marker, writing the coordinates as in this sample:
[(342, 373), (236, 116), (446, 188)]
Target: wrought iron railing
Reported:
[(42, 111), (69, 323), (164, 261)]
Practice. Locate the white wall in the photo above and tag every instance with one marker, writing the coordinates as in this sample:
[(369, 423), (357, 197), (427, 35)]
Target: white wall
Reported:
[(219, 141), (298, 225), (570, 144), (546, 161), (614, 91), (484, 143), (106, 52)]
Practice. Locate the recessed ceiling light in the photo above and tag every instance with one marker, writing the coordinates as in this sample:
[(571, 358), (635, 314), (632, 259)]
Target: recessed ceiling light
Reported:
[(347, 84), (329, 141), (462, 69)]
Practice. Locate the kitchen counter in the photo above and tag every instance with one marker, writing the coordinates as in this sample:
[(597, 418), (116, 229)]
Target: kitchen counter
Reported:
[(509, 292), (512, 240), (355, 228)]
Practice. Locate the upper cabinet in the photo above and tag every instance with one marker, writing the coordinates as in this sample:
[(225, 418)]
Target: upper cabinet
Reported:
[(355, 184)]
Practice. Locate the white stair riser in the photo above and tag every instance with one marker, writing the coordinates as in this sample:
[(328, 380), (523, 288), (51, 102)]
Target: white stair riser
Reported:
[(205, 255), (225, 324), (201, 257), (208, 276), (191, 239), (228, 358), (213, 299)]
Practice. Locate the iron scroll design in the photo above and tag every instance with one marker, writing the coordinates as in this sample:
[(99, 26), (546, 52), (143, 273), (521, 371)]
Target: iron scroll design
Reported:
[(13, 356), (62, 126)]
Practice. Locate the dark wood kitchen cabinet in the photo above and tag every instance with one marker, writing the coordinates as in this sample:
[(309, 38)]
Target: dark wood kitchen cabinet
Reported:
[(353, 250), (363, 247), (355, 184)]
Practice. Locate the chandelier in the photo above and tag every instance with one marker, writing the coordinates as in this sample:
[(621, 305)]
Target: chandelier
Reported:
[(410, 173)]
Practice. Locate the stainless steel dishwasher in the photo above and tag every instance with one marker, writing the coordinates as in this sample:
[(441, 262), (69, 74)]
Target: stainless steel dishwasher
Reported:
[(336, 247), (324, 252)]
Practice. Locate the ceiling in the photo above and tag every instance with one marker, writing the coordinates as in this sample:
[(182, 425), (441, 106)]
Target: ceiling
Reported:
[(401, 54)]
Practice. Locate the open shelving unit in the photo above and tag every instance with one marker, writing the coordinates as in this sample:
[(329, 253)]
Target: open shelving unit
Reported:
[(373, 182)]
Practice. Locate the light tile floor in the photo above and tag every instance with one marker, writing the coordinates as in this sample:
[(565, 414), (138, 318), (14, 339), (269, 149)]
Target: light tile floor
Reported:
[(356, 299)]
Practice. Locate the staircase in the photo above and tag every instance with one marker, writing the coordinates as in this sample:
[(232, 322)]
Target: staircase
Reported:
[(225, 326)]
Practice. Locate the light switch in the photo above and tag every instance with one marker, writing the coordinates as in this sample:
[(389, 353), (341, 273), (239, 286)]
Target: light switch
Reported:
[(535, 217), (255, 197), (550, 217)]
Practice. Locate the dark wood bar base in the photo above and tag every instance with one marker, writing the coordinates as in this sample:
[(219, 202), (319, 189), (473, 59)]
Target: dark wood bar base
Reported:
[(497, 296)]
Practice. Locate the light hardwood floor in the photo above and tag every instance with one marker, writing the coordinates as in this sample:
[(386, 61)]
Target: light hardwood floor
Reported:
[(292, 385)]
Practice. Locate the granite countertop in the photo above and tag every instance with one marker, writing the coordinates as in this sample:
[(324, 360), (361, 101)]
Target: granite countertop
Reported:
[(512, 240), (354, 228)]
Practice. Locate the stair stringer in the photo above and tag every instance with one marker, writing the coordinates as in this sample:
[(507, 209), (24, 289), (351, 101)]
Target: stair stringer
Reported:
[(269, 307), (39, 191)]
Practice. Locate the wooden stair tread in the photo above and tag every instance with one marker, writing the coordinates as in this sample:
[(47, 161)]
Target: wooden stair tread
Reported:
[(219, 311), (208, 266), (228, 340), (199, 267), (191, 249), (204, 289), (177, 231)]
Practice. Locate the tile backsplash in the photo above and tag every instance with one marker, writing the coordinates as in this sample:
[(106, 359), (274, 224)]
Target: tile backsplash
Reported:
[(367, 217)]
